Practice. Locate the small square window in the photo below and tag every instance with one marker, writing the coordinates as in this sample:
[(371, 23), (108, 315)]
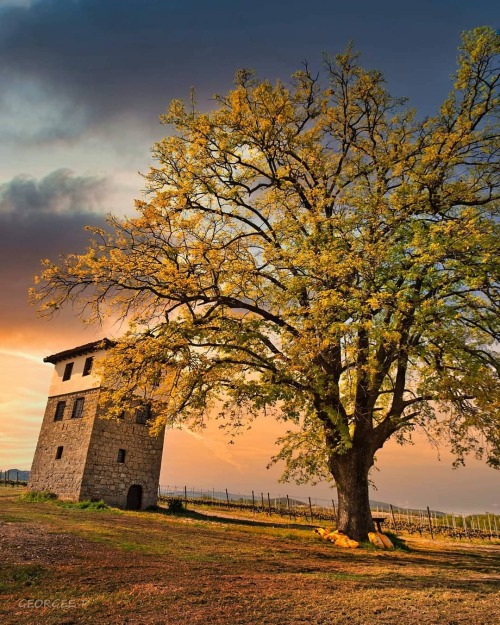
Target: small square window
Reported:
[(59, 414), (121, 456), (68, 370), (87, 367), (78, 408), (59, 453)]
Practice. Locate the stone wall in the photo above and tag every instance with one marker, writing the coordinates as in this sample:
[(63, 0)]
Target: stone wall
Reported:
[(106, 478), (88, 467), (63, 476)]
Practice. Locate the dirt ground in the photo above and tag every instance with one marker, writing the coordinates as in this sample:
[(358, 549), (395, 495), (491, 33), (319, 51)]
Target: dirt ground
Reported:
[(68, 566)]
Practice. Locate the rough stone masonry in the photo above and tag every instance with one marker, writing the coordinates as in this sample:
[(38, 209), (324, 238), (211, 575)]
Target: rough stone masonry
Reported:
[(82, 455)]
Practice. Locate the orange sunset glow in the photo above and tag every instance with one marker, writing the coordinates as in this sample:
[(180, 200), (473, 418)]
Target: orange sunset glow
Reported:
[(77, 120)]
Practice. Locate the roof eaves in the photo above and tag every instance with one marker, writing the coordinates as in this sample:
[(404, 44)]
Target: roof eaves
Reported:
[(88, 348)]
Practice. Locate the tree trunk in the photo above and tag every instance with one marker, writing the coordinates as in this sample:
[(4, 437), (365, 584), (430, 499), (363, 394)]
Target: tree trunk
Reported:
[(350, 471)]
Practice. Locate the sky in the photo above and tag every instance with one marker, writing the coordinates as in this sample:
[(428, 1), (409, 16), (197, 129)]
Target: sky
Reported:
[(82, 85)]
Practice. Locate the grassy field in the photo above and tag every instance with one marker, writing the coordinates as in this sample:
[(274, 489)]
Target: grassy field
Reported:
[(63, 565)]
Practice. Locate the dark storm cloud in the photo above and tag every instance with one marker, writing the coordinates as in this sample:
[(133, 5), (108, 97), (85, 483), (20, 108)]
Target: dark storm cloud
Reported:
[(58, 193), (41, 219), (115, 57)]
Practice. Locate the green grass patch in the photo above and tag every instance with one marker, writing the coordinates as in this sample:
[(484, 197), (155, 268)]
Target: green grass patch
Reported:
[(130, 546), (14, 578), (84, 505), (33, 496)]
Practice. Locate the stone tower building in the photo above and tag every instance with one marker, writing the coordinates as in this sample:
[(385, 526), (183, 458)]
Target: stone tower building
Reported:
[(81, 455)]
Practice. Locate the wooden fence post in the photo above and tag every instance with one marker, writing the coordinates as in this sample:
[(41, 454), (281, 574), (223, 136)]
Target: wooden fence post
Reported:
[(392, 515), (430, 522)]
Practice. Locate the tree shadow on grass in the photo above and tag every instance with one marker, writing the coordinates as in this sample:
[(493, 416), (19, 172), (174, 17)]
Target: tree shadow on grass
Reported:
[(473, 561), (214, 518), (469, 585)]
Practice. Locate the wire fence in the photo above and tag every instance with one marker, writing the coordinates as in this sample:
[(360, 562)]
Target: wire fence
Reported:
[(314, 510), (13, 477)]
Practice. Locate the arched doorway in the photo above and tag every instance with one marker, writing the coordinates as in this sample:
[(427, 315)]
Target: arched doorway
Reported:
[(134, 497)]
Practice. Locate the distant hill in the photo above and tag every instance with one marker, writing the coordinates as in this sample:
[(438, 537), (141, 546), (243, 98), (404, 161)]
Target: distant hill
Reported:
[(15, 474), (281, 502), (385, 507), (381, 506)]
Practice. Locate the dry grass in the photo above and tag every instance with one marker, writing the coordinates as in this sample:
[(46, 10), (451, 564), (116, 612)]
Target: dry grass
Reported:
[(125, 567)]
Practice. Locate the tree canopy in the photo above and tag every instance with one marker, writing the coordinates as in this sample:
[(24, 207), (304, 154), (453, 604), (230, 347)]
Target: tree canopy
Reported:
[(317, 250)]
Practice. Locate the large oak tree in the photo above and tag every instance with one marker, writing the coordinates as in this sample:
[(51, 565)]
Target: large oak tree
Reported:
[(318, 252)]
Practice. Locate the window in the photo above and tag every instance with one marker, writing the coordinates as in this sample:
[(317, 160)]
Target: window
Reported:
[(61, 405), (121, 456), (59, 453), (122, 415), (68, 369), (143, 414), (87, 367), (78, 408)]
